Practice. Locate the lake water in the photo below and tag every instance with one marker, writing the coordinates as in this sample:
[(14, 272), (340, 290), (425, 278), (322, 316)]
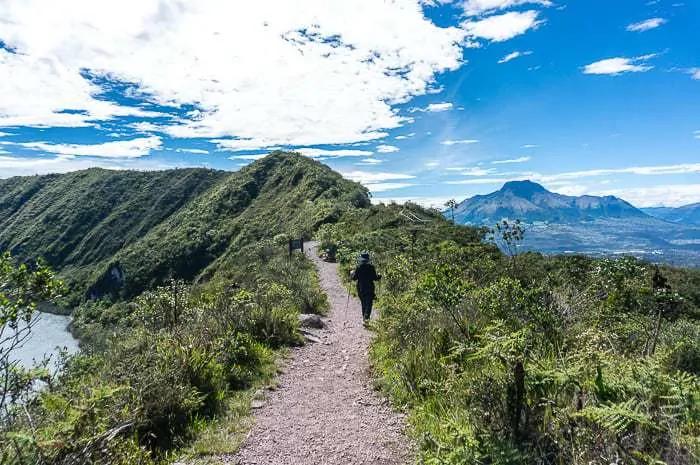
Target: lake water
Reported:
[(50, 332)]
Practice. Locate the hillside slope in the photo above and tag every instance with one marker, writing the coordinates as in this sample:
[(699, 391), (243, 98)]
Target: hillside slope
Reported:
[(121, 232)]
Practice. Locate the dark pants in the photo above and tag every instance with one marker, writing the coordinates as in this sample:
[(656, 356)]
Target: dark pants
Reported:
[(366, 299)]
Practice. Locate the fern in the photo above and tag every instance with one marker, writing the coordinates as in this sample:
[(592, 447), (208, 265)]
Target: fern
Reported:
[(617, 418)]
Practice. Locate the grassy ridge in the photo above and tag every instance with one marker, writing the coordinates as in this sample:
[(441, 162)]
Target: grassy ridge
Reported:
[(117, 234)]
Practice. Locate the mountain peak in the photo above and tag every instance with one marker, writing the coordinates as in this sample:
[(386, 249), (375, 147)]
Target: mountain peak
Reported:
[(530, 202), (525, 189)]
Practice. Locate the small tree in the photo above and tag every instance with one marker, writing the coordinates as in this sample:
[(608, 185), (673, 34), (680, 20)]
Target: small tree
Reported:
[(508, 236), (452, 205), (665, 301), (21, 288)]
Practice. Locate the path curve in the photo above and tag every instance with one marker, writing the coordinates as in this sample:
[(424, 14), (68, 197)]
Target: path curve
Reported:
[(324, 410)]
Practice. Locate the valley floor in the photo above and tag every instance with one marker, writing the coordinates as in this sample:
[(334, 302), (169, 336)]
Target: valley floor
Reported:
[(325, 410)]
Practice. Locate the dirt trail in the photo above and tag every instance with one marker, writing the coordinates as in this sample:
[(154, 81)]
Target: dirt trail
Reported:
[(325, 410)]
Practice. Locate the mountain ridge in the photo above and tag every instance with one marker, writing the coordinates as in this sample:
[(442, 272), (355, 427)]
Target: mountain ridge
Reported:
[(531, 202), (118, 233), (685, 214)]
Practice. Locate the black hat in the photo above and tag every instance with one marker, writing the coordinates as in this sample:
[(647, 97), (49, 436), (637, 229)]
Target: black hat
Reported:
[(364, 257)]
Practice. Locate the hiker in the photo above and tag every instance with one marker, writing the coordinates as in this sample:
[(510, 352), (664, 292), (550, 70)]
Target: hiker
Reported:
[(365, 274)]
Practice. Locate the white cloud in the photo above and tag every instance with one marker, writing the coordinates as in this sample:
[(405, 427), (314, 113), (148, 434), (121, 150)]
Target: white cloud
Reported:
[(315, 153), (238, 145), (477, 171), (572, 189), (673, 195), (513, 56), (37, 89), (370, 161), (145, 127), (514, 160), (437, 107), (197, 151), (435, 2), (478, 7), (255, 156), (402, 137), (686, 168), (388, 186), (480, 181), (697, 134), (368, 178), (529, 146), (321, 80), (694, 73), (134, 148), (434, 108), (432, 164), (387, 149), (459, 141), (647, 25), (3, 134), (503, 27), (615, 66)]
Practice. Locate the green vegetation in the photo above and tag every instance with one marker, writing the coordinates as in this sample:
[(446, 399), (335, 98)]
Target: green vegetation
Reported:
[(529, 360), (148, 389), (180, 324), (183, 292)]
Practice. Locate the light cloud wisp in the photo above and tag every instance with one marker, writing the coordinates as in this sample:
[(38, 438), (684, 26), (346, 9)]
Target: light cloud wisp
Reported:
[(513, 56), (616, 66), (647, 25)]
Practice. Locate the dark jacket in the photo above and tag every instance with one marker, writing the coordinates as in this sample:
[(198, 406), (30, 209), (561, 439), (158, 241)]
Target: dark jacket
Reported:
[(365, 275)]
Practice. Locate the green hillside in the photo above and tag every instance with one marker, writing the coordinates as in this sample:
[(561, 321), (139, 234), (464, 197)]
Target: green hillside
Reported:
[(118, 233)]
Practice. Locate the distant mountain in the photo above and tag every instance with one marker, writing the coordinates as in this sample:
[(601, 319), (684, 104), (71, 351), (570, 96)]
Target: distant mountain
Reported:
[(687, 214), (597, 226), (530, 202)]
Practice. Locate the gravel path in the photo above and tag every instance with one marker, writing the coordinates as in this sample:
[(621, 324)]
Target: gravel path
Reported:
[(325, 410)]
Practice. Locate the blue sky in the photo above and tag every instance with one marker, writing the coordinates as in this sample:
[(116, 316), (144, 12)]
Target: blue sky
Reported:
[(420, 100)]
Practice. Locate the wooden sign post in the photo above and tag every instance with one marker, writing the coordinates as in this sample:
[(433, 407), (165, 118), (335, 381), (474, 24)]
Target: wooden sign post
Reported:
[(296, 244)]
